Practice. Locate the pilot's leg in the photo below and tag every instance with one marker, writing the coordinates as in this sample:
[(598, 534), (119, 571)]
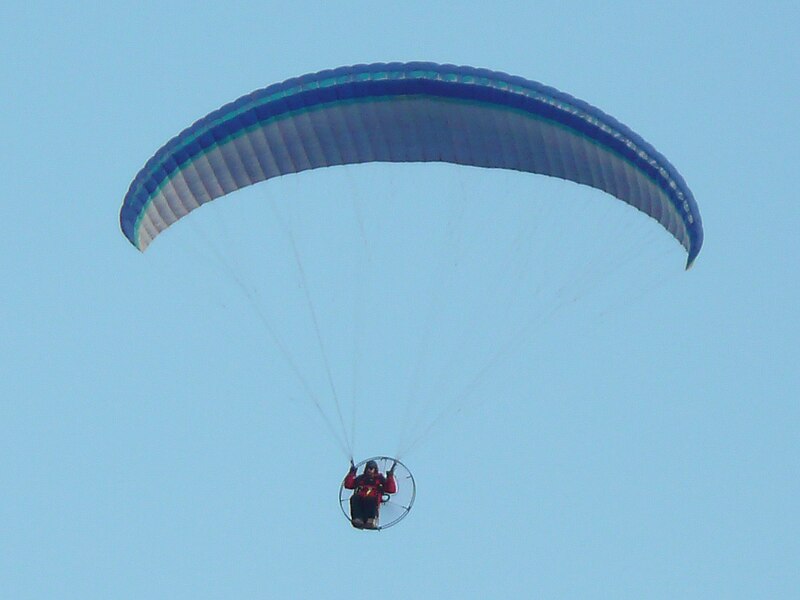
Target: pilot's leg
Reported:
[(356, 512)]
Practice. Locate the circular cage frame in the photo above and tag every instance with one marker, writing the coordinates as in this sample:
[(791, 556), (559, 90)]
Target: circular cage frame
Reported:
[(405, 479)]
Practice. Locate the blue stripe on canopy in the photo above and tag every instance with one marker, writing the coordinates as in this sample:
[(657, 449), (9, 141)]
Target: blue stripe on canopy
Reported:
[(406, 112)]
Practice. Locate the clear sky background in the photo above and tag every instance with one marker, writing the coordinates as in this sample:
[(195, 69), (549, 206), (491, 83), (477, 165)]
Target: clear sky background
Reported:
[(634, 439)]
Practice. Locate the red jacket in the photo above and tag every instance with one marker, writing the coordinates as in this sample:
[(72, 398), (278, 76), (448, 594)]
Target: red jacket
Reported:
[(372, 488)]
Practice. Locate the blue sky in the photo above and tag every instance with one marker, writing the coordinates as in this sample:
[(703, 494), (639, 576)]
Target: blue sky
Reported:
[(638, 437)]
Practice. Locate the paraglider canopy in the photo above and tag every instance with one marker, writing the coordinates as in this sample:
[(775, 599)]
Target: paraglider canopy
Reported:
[(406, 112), (393, 507)]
